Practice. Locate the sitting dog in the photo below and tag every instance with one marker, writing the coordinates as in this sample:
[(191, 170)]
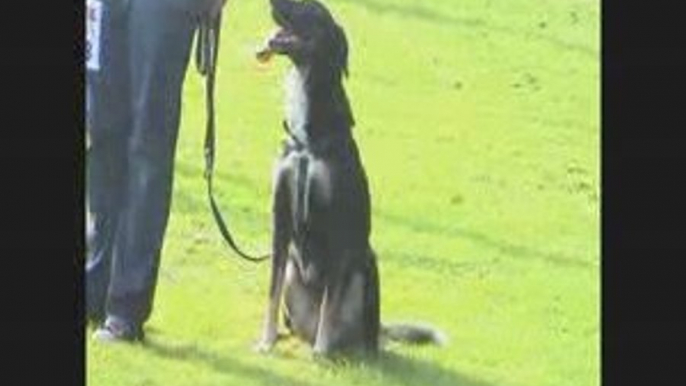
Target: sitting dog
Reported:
[(323, 264)]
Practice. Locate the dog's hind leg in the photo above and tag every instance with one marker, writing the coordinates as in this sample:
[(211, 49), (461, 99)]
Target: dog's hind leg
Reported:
[(372, 322), (301, 313), (324, 339), (341, 315)]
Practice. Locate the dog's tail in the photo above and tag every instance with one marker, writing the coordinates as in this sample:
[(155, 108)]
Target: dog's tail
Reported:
[(413, 333)]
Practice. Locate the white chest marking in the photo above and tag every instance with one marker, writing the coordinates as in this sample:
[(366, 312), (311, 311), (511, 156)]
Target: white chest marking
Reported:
[(297, 104)]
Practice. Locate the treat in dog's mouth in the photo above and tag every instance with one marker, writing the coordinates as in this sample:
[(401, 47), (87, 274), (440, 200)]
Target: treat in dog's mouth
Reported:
[(277, 43)]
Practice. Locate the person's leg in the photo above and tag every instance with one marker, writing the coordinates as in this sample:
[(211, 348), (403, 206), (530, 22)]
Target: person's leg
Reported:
[(108, 126), (159, 47)]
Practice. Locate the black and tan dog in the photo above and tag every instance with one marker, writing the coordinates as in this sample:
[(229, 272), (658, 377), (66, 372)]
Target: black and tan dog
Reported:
[(323, 263)]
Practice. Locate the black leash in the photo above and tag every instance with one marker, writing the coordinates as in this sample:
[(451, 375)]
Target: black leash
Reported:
[(206, 62)]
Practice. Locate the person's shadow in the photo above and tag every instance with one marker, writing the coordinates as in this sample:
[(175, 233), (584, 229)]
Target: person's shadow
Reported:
[(393, 368)]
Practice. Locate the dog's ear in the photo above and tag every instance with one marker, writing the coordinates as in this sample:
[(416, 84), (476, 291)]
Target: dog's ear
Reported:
[(340, 56)]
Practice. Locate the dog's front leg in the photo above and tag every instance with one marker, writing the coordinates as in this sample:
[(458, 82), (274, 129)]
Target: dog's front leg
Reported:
[(280, 240)]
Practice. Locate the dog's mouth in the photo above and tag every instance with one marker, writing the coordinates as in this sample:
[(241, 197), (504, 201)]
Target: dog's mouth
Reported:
[(284, 41), (278, 43)]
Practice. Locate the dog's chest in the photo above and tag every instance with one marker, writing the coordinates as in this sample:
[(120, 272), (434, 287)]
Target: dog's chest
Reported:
[(297, 104)]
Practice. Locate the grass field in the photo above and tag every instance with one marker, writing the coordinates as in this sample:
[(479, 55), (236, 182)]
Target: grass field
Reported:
[(478, 123)]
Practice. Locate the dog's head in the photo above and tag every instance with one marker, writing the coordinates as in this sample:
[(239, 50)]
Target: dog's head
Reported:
[(308, 35)]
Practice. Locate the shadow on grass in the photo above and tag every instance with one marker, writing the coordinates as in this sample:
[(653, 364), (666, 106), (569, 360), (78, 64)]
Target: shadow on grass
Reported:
[(502, 246), (390, 367), (425, 14), (196, 170), (225, 184), (395, 369), (218, 362), (409, 371)]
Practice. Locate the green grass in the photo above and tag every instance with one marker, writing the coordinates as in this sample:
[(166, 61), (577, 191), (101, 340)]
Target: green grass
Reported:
[(478, 122)]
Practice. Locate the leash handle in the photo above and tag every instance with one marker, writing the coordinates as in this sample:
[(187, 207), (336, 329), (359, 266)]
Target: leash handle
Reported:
[(206, 62)]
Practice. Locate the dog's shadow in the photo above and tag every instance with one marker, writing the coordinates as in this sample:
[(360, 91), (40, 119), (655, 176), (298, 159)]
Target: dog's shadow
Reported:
[(397, 369), (392, 367)]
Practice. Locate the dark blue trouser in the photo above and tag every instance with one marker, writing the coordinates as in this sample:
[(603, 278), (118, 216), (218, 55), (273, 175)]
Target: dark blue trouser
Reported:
[(133, 123)]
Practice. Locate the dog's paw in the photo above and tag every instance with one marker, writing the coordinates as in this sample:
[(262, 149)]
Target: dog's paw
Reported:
[(264, 346), (320, 351)]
